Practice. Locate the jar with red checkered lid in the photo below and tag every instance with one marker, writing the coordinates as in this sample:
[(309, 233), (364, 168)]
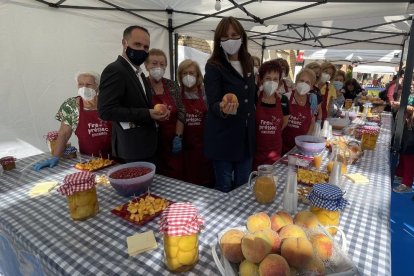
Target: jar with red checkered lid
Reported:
[(180, 224), (79, 188)]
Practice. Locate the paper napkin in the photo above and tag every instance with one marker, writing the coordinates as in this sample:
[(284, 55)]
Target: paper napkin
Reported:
[(141, 242), (357, 178), (42, 188)]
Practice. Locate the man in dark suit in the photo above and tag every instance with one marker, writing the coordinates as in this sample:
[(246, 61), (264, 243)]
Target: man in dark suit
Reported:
[(125, 99)]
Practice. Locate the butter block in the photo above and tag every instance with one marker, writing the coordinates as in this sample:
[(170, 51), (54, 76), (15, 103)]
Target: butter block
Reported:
[(141, 242)]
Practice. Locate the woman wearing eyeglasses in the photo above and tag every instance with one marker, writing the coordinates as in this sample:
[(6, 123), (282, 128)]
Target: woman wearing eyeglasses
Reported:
[(230, 124)]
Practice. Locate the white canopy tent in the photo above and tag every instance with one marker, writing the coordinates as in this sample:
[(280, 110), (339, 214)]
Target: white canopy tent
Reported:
[(44, 43)]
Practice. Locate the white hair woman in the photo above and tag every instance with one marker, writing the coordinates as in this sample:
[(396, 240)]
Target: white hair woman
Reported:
[(80, 115)]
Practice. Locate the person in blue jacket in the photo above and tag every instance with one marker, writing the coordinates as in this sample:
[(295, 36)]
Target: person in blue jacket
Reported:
[(230, 126)]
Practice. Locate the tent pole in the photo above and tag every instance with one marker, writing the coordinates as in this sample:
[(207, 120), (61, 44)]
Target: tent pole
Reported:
[(402, 55), (408, 75), (170, 42), (263, 48), (176, 56)]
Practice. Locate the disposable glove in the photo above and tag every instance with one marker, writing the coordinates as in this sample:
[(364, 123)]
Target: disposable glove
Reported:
[(313, 102), (177, 144), (51, 162)]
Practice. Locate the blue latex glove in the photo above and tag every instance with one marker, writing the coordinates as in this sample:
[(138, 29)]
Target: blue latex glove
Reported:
[(177, 144), (51, 162), (313, 102)]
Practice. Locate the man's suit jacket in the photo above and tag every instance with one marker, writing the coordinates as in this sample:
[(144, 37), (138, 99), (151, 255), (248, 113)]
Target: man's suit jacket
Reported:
[(123, 99)]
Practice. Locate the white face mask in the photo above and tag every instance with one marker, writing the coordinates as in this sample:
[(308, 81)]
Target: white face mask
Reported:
[(325, 77), (87, 93), (269, 87), (231, 46), (157, 73), (255, 70), (189, 81), (302, 88)]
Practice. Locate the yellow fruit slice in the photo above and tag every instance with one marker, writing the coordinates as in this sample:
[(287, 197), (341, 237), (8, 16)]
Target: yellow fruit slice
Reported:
[(173, 264), (188, 243), (187, 257), (171, 240), (171, 251)]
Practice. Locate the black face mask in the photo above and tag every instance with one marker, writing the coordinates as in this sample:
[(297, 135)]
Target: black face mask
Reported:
[(137, 57)]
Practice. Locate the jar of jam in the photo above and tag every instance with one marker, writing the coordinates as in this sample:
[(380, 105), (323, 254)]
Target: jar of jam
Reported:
[(326, 202), (8, 163), (51, 138), (180, 224), (79, 188)]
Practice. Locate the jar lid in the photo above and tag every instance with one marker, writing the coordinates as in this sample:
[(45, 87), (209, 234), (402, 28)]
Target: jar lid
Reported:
[(7, 160), (374, 130), (52, 135), (327, 196), (181, 219), (69, 150), (77, 182)]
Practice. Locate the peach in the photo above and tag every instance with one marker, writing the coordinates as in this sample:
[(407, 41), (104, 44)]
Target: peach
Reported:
[(257, 222), (247, 268), (322, 245), (306, 219), (254, 248), (230, 98), (297, 251), (280, 219), (274, 264), (160, 108), (271, 237), (291, 231), (315, 267), (230, 244)]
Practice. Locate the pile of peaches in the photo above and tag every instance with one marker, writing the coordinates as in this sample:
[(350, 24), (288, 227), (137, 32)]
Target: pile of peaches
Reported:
[(278, 245)]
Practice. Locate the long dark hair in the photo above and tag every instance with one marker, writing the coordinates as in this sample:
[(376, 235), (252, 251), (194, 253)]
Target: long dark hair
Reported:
[(218, 56), (355, 84)]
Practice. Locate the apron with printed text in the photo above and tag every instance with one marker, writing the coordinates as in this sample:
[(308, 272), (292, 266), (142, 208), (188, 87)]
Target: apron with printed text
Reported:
[(94, 134), (198, 169), (169, 164), (299, 122), (269, 122)]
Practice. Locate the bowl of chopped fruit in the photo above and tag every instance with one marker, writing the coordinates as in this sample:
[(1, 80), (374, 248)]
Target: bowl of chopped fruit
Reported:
[(132, 178)]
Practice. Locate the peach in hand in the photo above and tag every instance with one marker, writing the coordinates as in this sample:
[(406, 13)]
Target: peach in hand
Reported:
[(230, 98), (161, 108), (280, 219)]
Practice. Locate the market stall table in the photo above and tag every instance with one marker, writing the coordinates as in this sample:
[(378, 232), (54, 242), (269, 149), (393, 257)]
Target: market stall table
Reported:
[(98, 246)]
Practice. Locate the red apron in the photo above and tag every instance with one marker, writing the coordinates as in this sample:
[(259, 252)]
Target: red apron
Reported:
[(325, 102), (299, 122), (169, 164), (198, 169), (94, 135), (269, 123)]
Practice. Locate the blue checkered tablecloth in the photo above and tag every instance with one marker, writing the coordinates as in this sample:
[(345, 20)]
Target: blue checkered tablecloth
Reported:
[(97, 246)]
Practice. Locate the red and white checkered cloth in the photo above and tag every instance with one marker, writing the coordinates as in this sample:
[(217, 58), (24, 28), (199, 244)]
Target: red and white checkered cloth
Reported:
[(372, 130), (52, 135), (181, 219), (77, 182)]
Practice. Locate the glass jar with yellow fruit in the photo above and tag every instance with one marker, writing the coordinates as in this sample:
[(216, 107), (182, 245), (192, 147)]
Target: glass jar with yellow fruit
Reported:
[(326, 202), (80, 191), (264, 186), (180, 224)]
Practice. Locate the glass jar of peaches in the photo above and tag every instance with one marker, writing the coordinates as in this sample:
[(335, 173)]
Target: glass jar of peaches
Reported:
[(180, 224), (79, 188), (326, 202)]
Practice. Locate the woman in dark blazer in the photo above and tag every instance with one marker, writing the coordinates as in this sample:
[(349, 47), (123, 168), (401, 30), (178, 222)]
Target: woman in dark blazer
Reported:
[(230, 127)]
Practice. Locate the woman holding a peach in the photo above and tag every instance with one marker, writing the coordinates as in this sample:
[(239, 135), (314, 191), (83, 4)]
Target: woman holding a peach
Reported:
[(301, 119), (230, 135), (272, 114), (166, 97)]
